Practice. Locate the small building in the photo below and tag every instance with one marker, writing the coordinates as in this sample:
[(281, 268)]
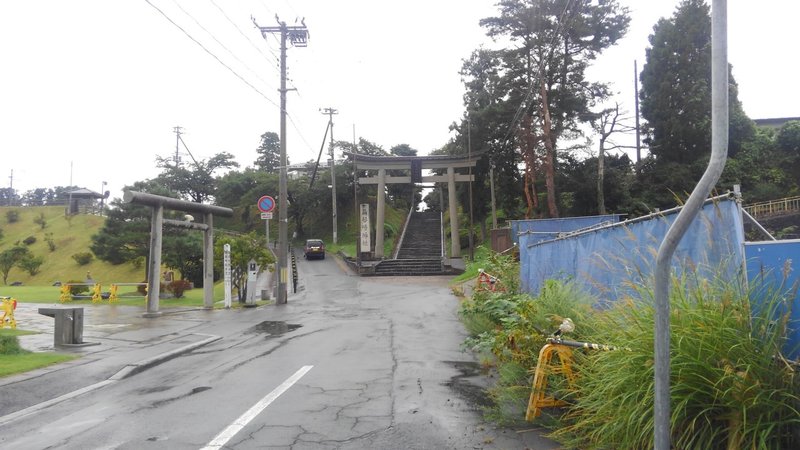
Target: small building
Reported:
[(83, 201)]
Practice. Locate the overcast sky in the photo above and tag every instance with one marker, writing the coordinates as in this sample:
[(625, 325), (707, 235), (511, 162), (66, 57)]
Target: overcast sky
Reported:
[(90, 90)]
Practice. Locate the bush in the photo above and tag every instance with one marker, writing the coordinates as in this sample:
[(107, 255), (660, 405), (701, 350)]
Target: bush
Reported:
[(31, 264), (178, 287), (77, 290), (40, 220), (51, 244), (30, 240), (9, 345), (12, 216), (83, 258)]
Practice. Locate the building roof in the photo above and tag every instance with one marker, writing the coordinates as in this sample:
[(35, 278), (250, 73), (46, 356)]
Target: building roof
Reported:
[(776, 122), (84, 193)]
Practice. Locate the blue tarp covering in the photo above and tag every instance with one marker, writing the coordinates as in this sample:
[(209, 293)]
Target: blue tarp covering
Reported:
[(609, 258), (547, 229), (775, 264)]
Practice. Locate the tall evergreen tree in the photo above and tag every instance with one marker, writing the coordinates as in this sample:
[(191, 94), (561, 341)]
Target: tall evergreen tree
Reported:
[(676, 103), (545, 73), (269, 153)]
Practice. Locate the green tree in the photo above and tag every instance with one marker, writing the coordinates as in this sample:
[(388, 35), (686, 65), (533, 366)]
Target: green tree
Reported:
[(244, 248), (269, 153), (676, 103), (9, 258), (403, 195), (30, 263), (554, 42), (194, 182)]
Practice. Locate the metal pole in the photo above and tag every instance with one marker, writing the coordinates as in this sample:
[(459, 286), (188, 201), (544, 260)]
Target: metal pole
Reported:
[(469, 154), (491, 186), (283, 202), (719, 151)]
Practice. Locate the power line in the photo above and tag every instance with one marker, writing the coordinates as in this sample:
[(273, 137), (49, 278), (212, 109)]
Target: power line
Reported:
[(220, 43), (249, 40), (211, 53)]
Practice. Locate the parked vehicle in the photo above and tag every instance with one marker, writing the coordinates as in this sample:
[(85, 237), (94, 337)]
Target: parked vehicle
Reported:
[(314, 248)]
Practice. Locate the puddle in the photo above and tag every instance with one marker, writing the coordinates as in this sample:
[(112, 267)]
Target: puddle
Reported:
[(273, 328), (473, 393)]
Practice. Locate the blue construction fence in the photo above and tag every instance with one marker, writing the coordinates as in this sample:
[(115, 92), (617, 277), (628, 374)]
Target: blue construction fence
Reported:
[(610, 257)]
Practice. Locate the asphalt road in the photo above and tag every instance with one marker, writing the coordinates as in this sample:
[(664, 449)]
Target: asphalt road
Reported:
[(348, 363)]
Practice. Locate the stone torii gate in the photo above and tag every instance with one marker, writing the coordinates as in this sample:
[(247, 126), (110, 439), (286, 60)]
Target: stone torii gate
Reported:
[(158, 203), (415, 165)]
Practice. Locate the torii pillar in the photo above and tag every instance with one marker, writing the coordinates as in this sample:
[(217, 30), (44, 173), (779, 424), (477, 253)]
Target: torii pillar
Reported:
[(455, 242), (379, 213), (414, 165)]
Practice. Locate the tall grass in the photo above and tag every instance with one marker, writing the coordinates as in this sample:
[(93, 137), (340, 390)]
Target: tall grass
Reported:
[(730, 388)]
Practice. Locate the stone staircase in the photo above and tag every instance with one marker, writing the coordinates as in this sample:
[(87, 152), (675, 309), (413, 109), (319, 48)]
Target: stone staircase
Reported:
[(420, 250)]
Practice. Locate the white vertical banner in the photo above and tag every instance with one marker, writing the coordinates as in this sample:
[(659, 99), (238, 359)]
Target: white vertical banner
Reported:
[(365, 232), (226, 268)]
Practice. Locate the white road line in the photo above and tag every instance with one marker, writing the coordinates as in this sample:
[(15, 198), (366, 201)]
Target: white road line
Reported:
[(237, 425)]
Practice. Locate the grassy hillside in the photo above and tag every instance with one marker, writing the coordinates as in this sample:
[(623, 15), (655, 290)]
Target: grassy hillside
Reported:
[(70, 237)]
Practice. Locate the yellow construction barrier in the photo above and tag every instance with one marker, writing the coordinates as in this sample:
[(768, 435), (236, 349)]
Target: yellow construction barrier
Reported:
[(113, 297), (9, 305), (97, 294), (66, 292), (545, 366), (66, 295)]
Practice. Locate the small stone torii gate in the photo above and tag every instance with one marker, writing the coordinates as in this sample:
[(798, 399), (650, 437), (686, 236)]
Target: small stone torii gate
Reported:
[(415, 165), (158, 203)]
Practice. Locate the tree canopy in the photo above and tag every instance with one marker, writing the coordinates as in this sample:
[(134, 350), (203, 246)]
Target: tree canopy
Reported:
[(676, 103)]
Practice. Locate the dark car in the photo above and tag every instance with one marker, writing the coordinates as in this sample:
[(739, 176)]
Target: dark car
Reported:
[(314, 248)]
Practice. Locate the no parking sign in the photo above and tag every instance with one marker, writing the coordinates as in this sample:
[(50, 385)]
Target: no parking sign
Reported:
[(266, 204)]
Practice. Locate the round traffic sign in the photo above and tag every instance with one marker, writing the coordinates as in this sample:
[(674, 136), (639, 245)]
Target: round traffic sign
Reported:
[(266, 203)]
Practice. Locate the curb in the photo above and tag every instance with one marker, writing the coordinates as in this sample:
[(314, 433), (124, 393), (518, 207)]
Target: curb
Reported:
[(133, 369), (125, 372)]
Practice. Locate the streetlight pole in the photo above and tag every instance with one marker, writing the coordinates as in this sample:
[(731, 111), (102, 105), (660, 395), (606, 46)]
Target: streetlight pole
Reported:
[(103, 193), (298, 36)]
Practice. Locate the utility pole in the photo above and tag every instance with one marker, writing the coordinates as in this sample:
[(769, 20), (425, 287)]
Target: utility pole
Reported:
[(636, 102), (177, 142), (298, 36), (11, 189), (330, 112)]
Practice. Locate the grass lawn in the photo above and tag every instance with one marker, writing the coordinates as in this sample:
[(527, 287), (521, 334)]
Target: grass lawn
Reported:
[(21, 363), (14, 360), (127, 296)]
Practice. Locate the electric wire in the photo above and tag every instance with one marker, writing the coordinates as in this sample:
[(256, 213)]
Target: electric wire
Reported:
[(220, 43), (236, 74), (249, 40)]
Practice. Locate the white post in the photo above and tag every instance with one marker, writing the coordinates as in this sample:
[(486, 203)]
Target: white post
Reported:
[(226, 265)]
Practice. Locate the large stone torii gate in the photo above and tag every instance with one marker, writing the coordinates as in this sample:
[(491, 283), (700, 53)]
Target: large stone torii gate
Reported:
[(415, 165), (158, 203)]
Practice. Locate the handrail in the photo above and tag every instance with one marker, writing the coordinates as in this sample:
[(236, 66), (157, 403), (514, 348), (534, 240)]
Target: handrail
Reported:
[(441, 232), (787, 204), (403, 234)]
